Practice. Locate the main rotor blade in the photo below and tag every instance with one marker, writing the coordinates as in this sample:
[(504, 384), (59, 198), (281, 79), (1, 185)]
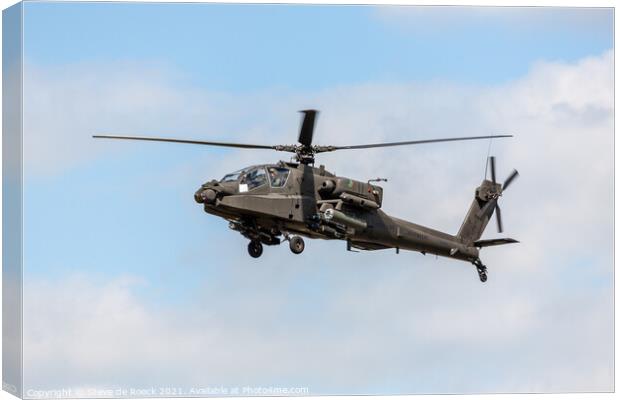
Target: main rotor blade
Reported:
[(201, 142), (498, 217), (307, 127), (492, 162), (321, 149), (511, 178)]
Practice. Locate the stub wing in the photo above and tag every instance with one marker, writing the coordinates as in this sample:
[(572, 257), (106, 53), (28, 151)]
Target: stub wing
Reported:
[(494, 242)]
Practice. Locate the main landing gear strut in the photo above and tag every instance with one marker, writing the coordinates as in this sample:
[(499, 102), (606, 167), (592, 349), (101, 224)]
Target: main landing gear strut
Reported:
[(482, 269)]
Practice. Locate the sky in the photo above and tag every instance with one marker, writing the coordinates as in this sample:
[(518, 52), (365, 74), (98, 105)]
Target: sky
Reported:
[(130, 284)]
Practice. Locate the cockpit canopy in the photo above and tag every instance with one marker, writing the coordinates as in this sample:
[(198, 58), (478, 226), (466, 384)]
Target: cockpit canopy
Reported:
[(234, 176), (253, 177)]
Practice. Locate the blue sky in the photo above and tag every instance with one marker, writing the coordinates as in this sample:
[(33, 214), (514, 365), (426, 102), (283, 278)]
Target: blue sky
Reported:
[(118, 252), (248, 47)]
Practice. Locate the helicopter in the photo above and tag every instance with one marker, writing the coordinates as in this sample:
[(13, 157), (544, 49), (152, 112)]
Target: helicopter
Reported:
[(272, 203)]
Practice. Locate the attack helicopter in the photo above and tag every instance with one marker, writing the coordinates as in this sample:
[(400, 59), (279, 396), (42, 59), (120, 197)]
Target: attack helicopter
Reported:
[(272, 203)]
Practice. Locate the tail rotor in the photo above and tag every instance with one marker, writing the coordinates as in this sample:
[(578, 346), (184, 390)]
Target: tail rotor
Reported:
[(496, 192)]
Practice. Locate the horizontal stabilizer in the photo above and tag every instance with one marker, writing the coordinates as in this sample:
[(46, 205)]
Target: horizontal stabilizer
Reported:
[(494, 242)]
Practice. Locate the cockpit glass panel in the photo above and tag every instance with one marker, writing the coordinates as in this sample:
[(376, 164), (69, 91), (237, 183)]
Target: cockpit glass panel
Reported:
[(254, 178), (233, 176), (278, 176)]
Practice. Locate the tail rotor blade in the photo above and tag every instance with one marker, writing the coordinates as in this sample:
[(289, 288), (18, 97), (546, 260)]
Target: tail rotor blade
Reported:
[(492, 162), (498, 217), (307, 127), (511, 178)]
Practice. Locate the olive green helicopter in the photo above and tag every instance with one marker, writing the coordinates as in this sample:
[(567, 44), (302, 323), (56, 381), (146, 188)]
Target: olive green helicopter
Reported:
[(278, 202)]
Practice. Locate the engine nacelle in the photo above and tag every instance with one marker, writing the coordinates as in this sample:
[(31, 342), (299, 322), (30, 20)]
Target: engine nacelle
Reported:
[(354, 192), (327, 187), (332, 215), (358, 201)]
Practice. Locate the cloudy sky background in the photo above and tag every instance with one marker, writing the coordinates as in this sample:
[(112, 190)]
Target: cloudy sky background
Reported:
[(129, 284)]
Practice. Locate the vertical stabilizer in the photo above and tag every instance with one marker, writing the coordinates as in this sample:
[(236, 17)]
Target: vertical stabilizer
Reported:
[(480, 212)]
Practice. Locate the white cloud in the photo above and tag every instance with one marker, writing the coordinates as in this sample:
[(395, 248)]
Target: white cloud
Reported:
[(64, 107), (543, 322), (358, 338)]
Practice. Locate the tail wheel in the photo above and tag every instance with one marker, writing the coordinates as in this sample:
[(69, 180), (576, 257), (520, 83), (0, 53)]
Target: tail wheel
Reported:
[(482, 269), (296, 244), (255, 248)]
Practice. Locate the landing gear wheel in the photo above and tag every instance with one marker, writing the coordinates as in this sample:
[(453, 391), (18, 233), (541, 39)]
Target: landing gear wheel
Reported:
[(296, 244), (482, 275), (255, 248)]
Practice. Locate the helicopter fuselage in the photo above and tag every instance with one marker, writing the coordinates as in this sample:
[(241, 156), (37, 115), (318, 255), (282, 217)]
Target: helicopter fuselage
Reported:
[(267, 203)]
